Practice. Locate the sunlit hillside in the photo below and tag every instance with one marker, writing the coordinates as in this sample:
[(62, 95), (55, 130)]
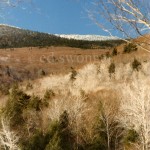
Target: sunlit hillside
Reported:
[(98, 105)]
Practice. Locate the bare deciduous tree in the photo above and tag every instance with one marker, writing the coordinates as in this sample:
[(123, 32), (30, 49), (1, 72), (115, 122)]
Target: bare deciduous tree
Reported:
[(136, 109), (130, 17), (76, 108), (8, 139), (109, 111)]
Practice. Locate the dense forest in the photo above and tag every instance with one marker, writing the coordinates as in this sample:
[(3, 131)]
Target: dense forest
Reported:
[(11, 37)]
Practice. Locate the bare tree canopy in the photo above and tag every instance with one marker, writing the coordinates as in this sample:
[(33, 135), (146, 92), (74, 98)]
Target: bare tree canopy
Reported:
[(135, 106), (131, 18), (8, 138)]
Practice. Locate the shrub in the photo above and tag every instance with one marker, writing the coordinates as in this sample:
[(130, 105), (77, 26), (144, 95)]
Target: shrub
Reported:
[(29, 86), (54, 139), (35, 103), (73, 74), (111, 69), (17, 101), (48, 96), (4, 88), (107, 55), (41, 72), (131, 47), (35, 142), (54, 143), (114, 52), (101, 57), (131, 136), (97, 144), (136, 65)]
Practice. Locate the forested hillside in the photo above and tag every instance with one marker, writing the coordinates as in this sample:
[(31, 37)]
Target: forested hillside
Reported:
[(12, 37)]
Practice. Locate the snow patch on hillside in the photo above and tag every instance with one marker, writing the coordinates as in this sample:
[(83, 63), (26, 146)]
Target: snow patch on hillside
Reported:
[(86, 37)]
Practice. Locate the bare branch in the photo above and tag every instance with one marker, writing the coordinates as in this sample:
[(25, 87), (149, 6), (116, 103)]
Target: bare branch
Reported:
[(131, 18), (136, 109), (8, 139)]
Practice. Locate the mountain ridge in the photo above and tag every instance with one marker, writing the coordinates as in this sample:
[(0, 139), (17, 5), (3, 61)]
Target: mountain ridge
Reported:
[(13, 37), (86, 37)]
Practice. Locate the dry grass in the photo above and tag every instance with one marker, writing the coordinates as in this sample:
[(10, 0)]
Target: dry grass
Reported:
[(30, 59), (80, 97)]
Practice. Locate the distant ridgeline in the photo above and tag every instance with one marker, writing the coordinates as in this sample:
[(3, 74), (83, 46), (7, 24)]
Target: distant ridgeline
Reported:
[(12, 37)]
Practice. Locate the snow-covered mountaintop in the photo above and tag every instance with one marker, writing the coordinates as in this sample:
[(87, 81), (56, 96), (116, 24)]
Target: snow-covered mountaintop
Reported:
[(86, 37), (6, 25)]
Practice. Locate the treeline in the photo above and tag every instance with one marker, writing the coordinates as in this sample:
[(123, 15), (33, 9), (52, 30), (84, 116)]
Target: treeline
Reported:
[(17, 38)]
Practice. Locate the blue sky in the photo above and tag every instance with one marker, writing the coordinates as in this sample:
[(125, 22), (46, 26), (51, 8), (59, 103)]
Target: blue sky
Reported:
[(52, 16)]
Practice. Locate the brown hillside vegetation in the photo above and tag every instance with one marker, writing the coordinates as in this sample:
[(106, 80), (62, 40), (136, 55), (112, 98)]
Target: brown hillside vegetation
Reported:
[(19, 64), (52, 59), (98, 103)]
